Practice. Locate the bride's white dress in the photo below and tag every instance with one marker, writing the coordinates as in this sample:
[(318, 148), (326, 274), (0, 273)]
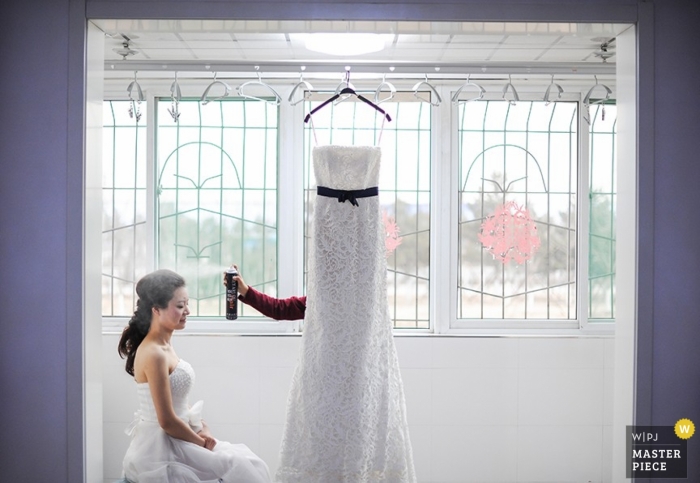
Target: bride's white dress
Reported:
[(346, 415), (155, 457)]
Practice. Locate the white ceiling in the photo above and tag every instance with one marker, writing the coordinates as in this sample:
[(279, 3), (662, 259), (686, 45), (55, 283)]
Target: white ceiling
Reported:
[(278, 46)]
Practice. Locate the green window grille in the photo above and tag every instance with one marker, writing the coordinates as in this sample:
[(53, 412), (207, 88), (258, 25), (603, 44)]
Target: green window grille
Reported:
[(603, 204), (217, 197), (404, 191), (528, 154), (124, 199)]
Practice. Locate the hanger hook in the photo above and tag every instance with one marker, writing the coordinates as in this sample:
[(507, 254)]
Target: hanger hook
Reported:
[(468, 82), (135, 84), (547, 93), (384, 84), (176, 93), (511, 87), (302, 84), (434, 93), (205, 100)]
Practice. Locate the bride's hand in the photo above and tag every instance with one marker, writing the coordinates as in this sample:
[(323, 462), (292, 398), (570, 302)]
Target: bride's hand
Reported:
[(209, 441)]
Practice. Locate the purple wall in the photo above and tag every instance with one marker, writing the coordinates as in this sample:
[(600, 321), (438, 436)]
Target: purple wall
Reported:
[(676, 332), (33, 240), (40, 220)]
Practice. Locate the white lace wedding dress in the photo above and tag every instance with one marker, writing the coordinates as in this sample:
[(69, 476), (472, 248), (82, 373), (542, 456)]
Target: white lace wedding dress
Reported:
[(155, 457), (346, 415)]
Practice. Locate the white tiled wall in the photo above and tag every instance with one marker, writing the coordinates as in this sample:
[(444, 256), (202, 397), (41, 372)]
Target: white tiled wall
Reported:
[(479, 409)]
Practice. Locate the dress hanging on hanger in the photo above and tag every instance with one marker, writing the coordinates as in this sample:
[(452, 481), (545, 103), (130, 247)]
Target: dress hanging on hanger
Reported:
[(346, 412)]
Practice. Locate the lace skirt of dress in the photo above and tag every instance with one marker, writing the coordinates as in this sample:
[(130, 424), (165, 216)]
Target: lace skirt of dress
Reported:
[(346, 415)]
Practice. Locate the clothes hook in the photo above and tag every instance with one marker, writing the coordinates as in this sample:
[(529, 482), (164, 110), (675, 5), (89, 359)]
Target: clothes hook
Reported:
[(175, 96), (259, 83), (509, 86), (559, 89), (587, 100), (227, 89), (344, 84), (135, 104), (384, 83), (480, 95), (434, 99), (302, 84), (135, 85)]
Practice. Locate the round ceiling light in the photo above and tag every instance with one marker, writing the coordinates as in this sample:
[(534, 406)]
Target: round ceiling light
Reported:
[(344, 44)]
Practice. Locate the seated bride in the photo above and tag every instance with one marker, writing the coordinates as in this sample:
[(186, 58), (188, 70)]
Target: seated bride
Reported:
[(170, 441)]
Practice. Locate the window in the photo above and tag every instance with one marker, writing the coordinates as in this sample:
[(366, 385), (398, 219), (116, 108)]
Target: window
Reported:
[(125, 236), (199, 194), (217, 197), (214, 199), (602, 209), (404, 191), (517, 210)]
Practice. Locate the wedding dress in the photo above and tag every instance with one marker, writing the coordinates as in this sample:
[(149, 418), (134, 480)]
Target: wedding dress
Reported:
[(346, 415), (155, 457)]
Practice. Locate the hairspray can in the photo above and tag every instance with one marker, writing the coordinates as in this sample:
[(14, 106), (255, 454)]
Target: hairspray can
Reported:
[(231, 294)]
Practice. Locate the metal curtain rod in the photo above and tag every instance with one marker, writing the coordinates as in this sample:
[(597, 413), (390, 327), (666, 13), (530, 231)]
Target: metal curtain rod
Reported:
[(434, 69)]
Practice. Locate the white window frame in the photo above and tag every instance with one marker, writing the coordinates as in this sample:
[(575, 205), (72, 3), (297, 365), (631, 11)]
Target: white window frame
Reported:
[(289, 228), (448, 191), (443, 224)]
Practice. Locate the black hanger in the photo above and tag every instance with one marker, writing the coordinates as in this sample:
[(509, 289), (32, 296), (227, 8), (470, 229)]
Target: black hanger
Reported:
[(348, 90)]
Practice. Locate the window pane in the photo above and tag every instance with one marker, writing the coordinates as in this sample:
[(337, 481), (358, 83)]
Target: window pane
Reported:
[(124, 238), (517, 210), (217, 197), (603, 199), (404, 191)]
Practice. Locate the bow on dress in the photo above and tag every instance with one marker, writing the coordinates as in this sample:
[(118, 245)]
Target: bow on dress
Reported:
[(193, 417), (347, 195)]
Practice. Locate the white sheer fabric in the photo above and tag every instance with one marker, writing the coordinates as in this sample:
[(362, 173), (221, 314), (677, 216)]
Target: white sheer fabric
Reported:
[(155, 457), (346, 415)]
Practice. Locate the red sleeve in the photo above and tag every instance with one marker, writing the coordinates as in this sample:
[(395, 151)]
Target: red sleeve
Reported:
[(292, 308)]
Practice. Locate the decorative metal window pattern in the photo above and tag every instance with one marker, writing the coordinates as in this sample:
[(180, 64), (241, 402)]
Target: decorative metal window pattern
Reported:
[(124, 200), (404, 191), (217, 197), (603, 206), (526, 154)]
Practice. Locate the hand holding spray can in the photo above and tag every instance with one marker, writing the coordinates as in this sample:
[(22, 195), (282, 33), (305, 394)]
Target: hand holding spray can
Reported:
[(231, 294)]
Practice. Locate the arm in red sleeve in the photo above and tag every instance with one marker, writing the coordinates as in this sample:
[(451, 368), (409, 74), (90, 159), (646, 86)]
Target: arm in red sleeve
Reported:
[(292, 308)]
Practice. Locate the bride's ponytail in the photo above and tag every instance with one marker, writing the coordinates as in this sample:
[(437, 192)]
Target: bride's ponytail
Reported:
[(154, 290), (134, 333)]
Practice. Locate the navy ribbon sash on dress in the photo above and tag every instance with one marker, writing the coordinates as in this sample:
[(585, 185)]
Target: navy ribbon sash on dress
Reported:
[(350, 195)]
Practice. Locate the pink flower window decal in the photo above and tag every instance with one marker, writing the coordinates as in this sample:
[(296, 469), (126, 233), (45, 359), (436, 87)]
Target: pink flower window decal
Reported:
[(392, 239), (510, 234)]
